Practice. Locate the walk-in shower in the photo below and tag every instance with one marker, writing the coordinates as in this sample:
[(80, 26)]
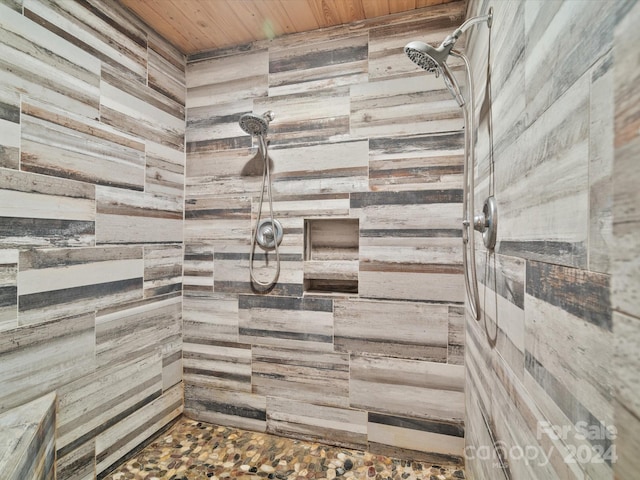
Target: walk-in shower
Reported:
[(268, 232), (434, 60)]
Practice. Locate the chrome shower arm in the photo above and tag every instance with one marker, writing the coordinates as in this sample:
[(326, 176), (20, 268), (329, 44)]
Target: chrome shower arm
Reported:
[(451, 39)]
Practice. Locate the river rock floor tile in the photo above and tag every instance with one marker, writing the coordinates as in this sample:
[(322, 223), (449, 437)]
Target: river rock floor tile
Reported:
[(193, 450)]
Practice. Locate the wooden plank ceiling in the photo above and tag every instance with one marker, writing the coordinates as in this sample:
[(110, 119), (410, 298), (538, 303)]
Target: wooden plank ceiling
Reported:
[(199, 25)]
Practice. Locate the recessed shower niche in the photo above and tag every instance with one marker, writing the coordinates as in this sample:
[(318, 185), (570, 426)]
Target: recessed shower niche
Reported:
[(331, 255)]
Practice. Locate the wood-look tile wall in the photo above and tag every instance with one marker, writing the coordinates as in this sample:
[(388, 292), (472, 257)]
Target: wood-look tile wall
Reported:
[(542, 355), (92, 123), (625, 261), (360, 134)]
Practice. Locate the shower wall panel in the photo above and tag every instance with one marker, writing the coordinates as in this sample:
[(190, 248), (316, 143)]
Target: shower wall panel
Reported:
[(625, 261), (360, 134), (540, 375), (91, 212)]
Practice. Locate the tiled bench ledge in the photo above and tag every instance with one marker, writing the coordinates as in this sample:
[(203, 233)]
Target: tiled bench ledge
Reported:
[(27, 440)]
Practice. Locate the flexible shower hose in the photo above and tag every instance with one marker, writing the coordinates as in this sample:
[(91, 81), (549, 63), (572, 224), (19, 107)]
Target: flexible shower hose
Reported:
[(266, 179), (468, 237)]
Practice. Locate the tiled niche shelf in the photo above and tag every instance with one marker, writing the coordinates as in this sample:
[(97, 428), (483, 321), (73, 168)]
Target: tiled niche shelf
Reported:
[(331, 255)]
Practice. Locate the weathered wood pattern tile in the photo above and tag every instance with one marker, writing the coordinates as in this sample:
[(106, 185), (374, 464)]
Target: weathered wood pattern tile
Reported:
[(231, 172), (231, 273), (317, 65), (477, 430), (548, 31), (57, 283), (456, 335), (578, 292), (197, 275), (170, 132), (51, 148), (289, 418), (569, 346), (38, 63), (627, 440), (166, 69), (388, 38), (28, 440), (162, 270), (137, 329), (222, 365), (542, 353), (416, 162), (625, 252), (13, 4), (117, 40), (398, 329), (316, 116), (294, 208), (132, 431), (426, 440), (164, 172), (220, 79), (407, 388), (42, 211), (399, 257), (210, 318), (214, 220), (172, 367), (9, 129), (132, 113), (339, 167), (494, 393), (403, 106), (599, 447), (79, 464), (548, 222), (92, 121), (502, 292), (94, 403), (124, 216), (215, 127), (526, 426), (501, 96), (626, 213), (8, 289), (290, 322), (308, 376), (601, 133), (226, 407), (66, 344)]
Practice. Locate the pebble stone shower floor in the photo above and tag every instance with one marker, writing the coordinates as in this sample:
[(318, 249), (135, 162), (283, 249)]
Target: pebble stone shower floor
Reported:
[(193, 450)]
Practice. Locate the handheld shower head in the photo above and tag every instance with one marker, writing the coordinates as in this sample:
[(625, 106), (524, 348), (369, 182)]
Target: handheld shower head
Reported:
[(434, 60), (256, 124)]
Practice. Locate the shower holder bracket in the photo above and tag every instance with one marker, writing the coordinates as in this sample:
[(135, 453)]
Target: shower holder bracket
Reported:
[(487, 222), (268, 232)]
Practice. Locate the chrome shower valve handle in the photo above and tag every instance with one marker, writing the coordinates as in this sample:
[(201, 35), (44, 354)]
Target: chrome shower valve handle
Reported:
[(487, 222)]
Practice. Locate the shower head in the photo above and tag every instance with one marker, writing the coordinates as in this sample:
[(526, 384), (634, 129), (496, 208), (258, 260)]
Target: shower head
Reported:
[(434, 60), (256, 124)]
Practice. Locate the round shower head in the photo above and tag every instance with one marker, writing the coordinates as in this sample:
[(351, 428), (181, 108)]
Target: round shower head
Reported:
[(420, 54), (427, 57), (434, 60), (256, 124)]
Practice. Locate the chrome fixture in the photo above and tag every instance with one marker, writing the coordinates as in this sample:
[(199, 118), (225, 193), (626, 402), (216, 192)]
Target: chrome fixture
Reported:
[(434, 60), (256, 124), (268, 232), (487, 222)]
